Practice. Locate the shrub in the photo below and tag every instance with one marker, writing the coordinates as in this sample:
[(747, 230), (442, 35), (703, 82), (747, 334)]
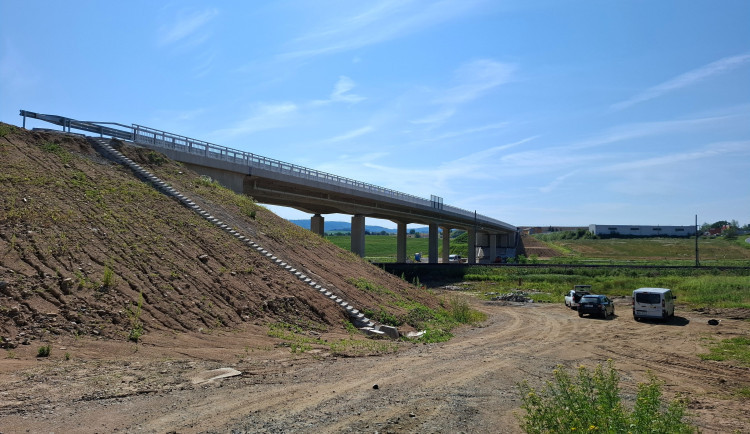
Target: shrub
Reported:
[(591, 402), (43, 351)]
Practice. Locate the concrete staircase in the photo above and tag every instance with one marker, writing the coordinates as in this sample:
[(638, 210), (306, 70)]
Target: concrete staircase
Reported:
[(368, 326)]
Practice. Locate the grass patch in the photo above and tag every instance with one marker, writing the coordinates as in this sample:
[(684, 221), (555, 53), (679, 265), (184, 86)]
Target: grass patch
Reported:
[(298, 342), (730, 349), (695, 287), (58, 150), (591, 401), (382, 248), (6, 129)]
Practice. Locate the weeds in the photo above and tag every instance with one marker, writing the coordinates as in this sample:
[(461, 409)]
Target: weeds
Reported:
[(6, 129), (136, 325), (43, 351), (591, 402), (108, 279), (730, 349)]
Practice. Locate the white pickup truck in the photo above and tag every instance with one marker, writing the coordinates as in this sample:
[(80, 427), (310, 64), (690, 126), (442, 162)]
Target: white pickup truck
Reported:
[(574, 295)]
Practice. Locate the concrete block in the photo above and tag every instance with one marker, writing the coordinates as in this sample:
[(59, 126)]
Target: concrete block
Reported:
[(390, 331)]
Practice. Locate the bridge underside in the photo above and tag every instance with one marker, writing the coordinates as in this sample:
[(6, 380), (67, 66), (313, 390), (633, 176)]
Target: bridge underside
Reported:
[(485, 244)]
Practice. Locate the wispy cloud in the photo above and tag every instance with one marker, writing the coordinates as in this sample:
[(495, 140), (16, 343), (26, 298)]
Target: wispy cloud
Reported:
[(475, 79), (687, 79), (386, 20), (713, 150), (263, 117), (556, 182), (341, 93), (435, 118), (350, 135), (468, 131), (187, 27)]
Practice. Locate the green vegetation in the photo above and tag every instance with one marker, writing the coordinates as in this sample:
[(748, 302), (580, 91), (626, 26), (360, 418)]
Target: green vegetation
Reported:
[(591, 402), (437, 323), (696, 287), (6, 129), (43, 351), (730, 349), (108, 280), (650, 251), (58, 150), (382, 248), (577, 234), (134, 314), (295, 338)]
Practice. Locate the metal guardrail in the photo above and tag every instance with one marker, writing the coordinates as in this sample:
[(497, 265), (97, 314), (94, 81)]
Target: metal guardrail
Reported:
[(157, 138)]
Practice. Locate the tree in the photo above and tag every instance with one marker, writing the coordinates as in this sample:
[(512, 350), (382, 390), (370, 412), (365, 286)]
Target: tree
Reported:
[(412, 231)]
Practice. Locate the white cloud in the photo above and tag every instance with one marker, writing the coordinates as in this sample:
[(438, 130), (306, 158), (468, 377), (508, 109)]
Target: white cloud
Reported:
[(556, 182), (263, 117), (187, 27), (350, 135), (435, 118), (475, 79), (386, 20), (674, 159), (687, 79), (341, 93)]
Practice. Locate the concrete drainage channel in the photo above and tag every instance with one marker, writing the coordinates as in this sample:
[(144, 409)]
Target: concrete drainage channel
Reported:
[(369, 327)]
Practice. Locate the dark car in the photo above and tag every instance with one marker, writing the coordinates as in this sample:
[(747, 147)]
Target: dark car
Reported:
[(598, 305)]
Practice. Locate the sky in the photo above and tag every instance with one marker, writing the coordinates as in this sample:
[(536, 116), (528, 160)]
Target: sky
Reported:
[(533, 112)]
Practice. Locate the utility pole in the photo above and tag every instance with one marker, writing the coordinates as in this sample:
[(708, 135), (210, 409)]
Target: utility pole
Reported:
[(697, 263)]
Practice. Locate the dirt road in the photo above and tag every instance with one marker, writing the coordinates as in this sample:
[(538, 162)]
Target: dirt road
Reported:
[(465, 385)]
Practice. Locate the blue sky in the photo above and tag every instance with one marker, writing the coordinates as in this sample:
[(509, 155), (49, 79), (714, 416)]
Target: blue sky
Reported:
[(532, 112)]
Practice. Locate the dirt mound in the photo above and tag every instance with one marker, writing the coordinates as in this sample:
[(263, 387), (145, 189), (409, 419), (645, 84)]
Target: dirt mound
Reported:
[(532, 246), (87, 248)]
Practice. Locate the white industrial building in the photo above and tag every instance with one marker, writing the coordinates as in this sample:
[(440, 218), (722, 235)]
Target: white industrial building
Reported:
[(642, 231)]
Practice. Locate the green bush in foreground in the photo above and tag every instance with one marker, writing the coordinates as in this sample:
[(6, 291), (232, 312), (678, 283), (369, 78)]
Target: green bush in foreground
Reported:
[(591, 402)]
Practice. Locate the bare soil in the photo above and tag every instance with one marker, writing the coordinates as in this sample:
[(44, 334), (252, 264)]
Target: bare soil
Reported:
[(67, 216), (465, 385)]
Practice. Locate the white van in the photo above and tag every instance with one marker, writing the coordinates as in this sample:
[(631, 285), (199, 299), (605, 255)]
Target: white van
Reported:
[(653, 303)]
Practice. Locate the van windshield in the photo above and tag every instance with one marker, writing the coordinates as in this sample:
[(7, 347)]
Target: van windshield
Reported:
[(646, 298)]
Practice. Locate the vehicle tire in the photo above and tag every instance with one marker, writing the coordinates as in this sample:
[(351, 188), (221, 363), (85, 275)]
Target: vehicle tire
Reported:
[(580, 315), (636, 318)]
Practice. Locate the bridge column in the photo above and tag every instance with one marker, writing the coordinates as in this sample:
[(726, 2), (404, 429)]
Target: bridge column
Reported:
[(446, 244), (317, 224), (400, 242), (432, 244), (472, 246), (358, 235), (493, 247)]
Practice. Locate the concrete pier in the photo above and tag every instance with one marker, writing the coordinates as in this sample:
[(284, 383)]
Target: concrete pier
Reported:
[(317, 224), (358, 235)]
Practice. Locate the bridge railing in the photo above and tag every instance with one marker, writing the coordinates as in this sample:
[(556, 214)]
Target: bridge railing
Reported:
[(162, 139)]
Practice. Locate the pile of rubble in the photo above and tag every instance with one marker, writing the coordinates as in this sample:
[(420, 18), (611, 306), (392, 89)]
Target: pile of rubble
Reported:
[(516, 296)]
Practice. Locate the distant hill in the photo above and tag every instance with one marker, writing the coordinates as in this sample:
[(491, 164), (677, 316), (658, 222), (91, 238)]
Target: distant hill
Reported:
[(333, 226)]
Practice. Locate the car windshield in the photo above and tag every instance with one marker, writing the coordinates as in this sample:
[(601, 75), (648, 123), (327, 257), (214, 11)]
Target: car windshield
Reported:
[(647, 298), (587, 299)]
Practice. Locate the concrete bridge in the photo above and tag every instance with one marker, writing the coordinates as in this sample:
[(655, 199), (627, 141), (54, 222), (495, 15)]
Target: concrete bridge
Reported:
[(275, 182)]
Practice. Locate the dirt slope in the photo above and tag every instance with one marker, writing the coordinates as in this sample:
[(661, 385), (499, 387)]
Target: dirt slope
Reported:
[(86, 248)]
